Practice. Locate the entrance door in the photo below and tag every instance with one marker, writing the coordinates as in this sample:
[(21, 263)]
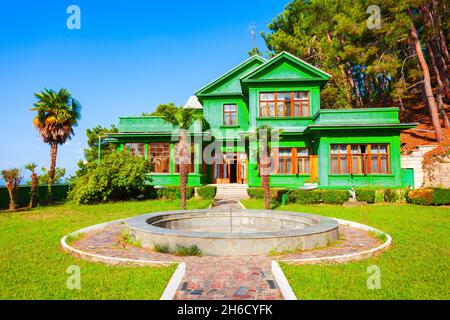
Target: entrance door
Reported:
[(231, 169)]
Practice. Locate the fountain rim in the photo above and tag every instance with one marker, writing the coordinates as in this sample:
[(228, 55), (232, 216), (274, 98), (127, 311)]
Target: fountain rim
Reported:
[(324, 224)]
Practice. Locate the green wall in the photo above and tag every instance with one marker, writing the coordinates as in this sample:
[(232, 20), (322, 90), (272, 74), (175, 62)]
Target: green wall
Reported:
[(328, 180)]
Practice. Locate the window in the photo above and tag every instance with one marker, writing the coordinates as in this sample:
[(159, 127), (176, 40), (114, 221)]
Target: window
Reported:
[(293, 160), (359, 159), (284, 104), (303, 161), (229, 115), (191, 160), (135, 149), (379, 158), (159, 153), (285, 161)]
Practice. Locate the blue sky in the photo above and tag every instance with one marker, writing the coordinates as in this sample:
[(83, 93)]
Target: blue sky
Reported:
[(128, 57)]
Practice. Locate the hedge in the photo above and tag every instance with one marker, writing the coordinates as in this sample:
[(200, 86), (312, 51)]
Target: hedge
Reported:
[(170, 193), (335, 196), (304, 196), (59, 194), (207, 192), (365, 195), (420, 196), (258, 193), (441, 196), (390, 195)]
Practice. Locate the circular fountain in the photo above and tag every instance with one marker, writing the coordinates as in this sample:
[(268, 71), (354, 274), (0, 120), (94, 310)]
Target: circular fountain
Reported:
[(234, 232)]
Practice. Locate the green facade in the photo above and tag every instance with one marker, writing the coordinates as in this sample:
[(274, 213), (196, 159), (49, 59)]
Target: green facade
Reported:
[(318, 130)]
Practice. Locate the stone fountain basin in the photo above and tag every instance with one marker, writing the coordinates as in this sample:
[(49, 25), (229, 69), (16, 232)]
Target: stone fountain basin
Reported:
[(234, 232)]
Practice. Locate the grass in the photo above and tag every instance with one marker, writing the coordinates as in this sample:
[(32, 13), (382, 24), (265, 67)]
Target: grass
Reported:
[(416, 267), (32, 265)]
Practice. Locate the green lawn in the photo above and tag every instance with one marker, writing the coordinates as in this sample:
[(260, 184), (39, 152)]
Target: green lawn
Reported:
[(32, 265), (416, 267)]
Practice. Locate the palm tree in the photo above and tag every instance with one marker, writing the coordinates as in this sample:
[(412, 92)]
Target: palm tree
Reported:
[(57, 114), (12, 178), (34, 184), (182, 118), (263, 135)]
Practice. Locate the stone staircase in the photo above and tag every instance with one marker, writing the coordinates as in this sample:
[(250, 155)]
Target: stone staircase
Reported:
[(232, 191)]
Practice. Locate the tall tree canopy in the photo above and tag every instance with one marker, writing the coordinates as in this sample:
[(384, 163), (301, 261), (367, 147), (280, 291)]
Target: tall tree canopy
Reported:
[(372, 64)]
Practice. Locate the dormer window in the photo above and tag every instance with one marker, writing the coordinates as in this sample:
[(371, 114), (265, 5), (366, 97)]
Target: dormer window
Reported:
[(284, 104)]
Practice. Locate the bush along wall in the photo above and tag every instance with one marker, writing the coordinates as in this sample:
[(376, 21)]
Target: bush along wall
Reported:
[(258, 193), (23, 195), (172, 193), (441, 196), (207, 192)]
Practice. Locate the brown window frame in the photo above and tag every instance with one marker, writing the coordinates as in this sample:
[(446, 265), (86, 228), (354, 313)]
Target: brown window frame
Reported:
[(162, 161), (364, 158), (292, 101), (295, 158), (141, 148), (230, 113)]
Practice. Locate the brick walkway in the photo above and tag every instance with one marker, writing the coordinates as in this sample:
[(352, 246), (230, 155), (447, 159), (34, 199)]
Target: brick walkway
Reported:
[(208, 277)]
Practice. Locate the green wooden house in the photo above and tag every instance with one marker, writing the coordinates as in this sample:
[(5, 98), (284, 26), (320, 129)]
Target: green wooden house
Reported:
[(332, 147)]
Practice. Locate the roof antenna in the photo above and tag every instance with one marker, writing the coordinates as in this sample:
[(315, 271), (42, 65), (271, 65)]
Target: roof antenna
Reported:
[(252, 29)]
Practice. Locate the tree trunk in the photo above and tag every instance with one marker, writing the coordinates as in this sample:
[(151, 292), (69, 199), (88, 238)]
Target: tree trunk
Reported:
[(437, 12), (265, 164), (426, 81), (440, 89), (33, 191), (12, 190), (51, 173), (434, 46), (183, 158)]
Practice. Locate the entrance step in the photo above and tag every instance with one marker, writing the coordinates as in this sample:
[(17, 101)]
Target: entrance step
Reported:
[(231, 191)]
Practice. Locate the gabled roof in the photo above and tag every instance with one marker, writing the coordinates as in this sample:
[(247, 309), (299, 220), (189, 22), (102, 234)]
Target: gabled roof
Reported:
[(286, 67), (229, 83), (193, 103)]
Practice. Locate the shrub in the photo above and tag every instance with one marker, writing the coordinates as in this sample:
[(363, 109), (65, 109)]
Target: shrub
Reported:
[(255, 193), (258, 193), (187, 251), (390, 195), (208, 192), (420, 196), (118, 176), (170, 193), (162, 248), (400, 195), (335, 196), (441, 196), (304, 196), (379, 196), (365, 195)]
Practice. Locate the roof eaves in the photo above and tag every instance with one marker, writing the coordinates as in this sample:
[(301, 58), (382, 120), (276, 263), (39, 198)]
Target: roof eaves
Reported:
[(254, 57)]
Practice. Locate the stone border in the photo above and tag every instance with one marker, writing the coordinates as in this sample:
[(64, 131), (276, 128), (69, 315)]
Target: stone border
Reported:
[(350, 256), (174, 283), (283, 283), (345, 257), (106, 259)]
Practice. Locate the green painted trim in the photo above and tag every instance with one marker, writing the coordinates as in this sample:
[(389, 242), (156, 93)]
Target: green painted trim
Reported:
[(240, 66), (296, 60)]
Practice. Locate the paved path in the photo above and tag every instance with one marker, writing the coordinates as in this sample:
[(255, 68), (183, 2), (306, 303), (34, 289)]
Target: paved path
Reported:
[(226, 278)]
